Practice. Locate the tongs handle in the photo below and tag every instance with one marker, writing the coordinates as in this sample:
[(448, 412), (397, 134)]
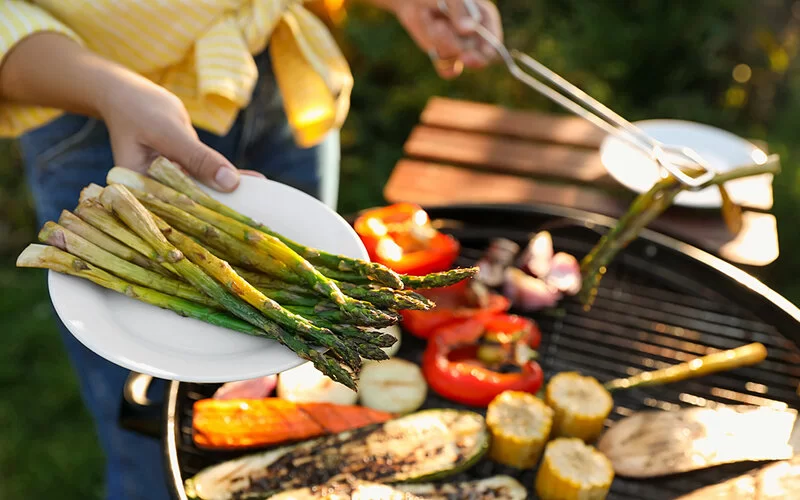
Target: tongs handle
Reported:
[(601, 116)]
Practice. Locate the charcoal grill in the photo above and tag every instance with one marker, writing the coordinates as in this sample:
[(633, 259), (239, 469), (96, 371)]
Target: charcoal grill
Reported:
[(662, 302)]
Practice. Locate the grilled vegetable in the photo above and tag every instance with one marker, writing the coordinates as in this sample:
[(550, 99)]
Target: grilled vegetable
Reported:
[(172, 176), (492, 488), (454, 304), (426, 445), (492, 265), (645, 209), (394, 385), (457, 368), (249, 423), (746, 355), (520, 424), (256, 388), (580, 403), (401, 237), (306, 384), (395, 332), (771, 482), (571, 469), (655, 443)]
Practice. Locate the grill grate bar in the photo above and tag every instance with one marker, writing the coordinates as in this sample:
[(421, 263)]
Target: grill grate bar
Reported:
[(589, 344), (681, 327), (630, 327)]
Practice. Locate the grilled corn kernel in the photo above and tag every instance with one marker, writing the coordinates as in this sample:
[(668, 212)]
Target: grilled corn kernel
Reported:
[(571, 470), (520, 424), (581, 405)]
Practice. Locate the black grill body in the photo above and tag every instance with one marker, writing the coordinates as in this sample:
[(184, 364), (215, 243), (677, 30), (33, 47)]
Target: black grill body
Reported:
[(662, 302)]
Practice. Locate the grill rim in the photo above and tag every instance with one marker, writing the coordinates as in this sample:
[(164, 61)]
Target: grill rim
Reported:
[(576, 218)]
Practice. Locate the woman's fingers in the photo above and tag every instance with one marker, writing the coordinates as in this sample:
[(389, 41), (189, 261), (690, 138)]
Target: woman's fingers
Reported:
[(181, 145), (252, 173)]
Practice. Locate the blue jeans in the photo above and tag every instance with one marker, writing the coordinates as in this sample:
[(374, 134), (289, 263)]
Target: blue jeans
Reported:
[(64, 156)]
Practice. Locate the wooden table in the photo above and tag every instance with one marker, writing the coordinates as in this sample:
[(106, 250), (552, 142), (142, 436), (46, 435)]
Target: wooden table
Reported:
[(472, 153)]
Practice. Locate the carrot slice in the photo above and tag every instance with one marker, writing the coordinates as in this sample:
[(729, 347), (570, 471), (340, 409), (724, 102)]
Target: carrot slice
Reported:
[(249, 423)]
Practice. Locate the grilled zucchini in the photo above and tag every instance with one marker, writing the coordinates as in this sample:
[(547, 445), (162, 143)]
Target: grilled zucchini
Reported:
[(493, 488), (426, 445)]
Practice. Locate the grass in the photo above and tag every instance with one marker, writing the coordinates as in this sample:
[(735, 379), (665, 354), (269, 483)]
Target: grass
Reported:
[(47, 443)]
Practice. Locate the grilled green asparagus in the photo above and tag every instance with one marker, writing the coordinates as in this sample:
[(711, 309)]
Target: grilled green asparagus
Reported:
[(170, 175)]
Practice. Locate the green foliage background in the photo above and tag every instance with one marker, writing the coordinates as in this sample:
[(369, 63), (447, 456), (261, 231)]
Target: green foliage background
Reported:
[(643, 58)]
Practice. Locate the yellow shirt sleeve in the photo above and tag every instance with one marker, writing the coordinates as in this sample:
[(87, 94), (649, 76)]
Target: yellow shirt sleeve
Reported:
[(18, 20)]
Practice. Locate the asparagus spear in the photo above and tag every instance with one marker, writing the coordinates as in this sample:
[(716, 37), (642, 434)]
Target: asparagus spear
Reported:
[(95, 214), (377, 339), (68, 241), (197, 262), (377, 295), (234, 251), (432, 280), (223, 273), (644, 209), (101, 239), (169, 174), (288, 298), (386, 297), (367, 343), (337, 316), (47, 257), (90, 192), (264, 242)]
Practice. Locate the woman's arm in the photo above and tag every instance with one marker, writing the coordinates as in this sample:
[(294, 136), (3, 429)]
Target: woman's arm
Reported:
[(144, 119), (52, 70)]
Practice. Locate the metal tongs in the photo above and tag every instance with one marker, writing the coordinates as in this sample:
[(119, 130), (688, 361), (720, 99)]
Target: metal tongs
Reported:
[(676, 160)]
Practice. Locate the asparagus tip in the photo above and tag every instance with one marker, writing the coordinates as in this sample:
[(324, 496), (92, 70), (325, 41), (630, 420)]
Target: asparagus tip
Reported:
[(90, 192), (32, 256)]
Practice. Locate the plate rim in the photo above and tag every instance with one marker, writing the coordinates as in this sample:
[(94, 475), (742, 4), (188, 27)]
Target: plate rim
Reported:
[(171, 375), (681, 199)]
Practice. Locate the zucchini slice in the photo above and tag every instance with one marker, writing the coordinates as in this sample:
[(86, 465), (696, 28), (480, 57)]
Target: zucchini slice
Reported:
[(493, 488), (425, 445)]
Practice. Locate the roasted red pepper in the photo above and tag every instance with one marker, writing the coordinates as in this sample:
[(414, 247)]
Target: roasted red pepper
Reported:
[(401, 237), (454, 304), (453, 368)]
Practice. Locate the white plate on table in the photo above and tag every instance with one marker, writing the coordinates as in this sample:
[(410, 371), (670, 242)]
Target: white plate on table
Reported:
[(156, 342), (723, 150)]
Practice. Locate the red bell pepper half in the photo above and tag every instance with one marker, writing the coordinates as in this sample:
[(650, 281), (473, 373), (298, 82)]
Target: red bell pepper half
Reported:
[(401, 237), (454, 304), (453, 366)]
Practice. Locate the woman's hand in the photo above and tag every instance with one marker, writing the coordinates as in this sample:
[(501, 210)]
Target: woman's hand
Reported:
[(449, 38), (145, 121)]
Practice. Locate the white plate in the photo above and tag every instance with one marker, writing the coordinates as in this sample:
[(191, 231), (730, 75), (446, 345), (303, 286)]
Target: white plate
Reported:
[(721, 149), (149, 340)]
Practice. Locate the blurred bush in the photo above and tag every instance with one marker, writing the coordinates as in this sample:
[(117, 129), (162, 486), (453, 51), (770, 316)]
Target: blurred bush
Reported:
[(727, 63)]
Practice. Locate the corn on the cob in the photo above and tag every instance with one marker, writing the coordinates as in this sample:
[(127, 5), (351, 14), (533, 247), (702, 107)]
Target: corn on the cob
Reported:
[(581, 405), (571, 470), (520, 424)]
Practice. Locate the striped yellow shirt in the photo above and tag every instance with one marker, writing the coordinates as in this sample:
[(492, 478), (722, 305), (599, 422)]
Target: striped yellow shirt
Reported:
[(201, 50)]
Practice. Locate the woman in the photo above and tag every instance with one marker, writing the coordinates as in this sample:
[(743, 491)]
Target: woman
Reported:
[(214, 85)]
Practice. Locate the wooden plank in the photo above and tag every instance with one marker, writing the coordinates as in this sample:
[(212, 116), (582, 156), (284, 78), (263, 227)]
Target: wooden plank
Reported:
[(494, 137), (433, 184), (531, 125), (508, 155)]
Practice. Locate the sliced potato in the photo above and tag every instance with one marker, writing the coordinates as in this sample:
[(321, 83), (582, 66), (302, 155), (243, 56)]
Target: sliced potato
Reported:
[(394, 385), (306, 384)]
